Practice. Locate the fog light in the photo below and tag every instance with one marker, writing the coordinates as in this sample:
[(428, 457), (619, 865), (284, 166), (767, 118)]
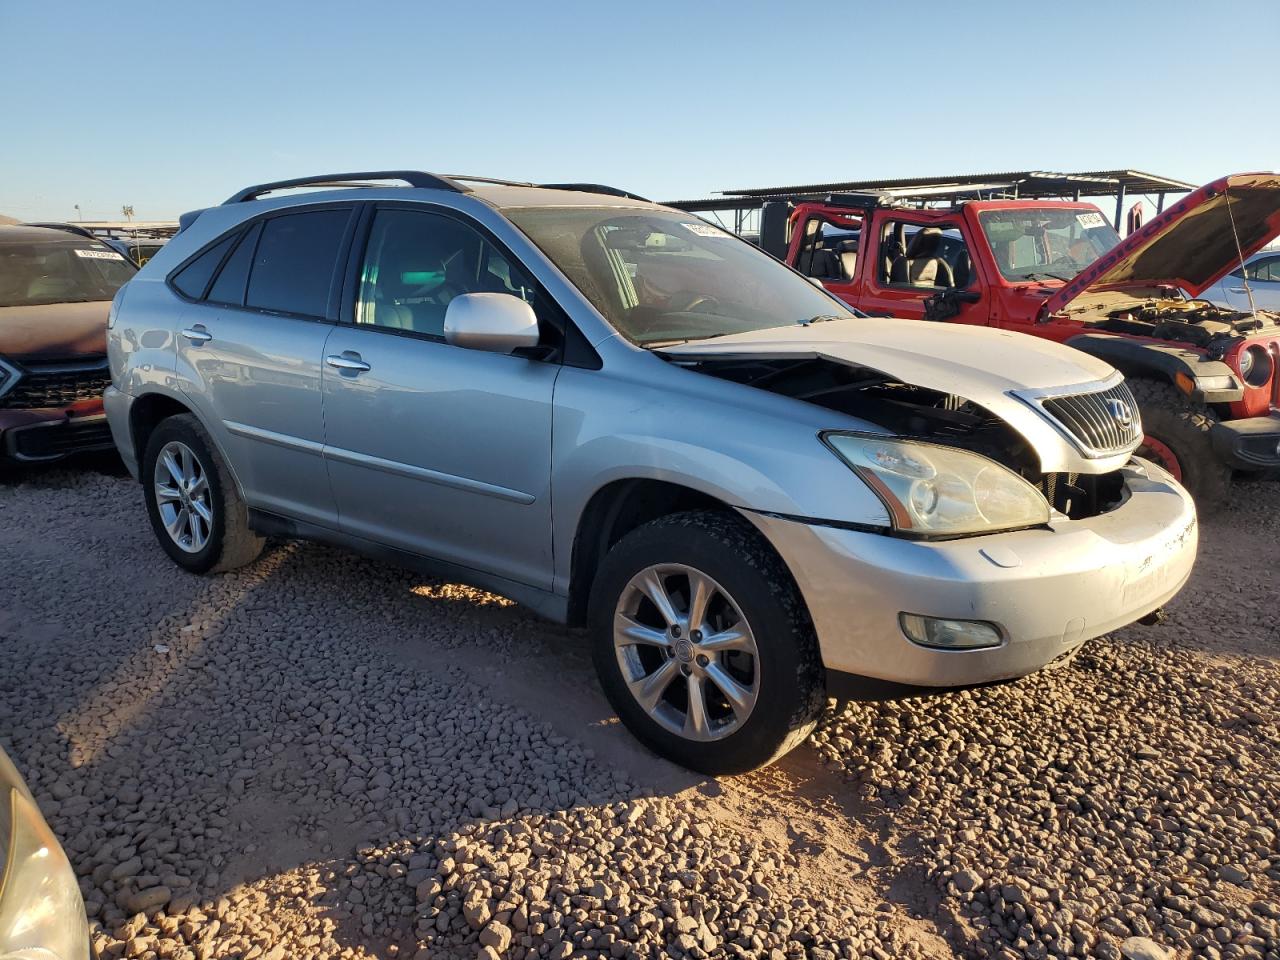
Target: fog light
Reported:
[(948, 634)]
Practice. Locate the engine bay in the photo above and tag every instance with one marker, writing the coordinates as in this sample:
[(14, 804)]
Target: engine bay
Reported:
[(917, 413), (1196, 322)]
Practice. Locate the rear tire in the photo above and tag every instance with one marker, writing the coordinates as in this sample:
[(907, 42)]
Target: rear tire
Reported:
[(194, 505), (1177, 438), (752, 654)]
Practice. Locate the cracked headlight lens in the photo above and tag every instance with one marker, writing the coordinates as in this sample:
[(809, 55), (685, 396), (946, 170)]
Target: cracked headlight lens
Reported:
[(931, 489)]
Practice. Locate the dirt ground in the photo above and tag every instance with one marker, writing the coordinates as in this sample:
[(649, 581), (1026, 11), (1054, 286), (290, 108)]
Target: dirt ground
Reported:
[(322, 756)]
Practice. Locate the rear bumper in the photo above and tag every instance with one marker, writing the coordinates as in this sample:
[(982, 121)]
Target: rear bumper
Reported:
[(1250, 444), (117, 404), (42, 436), (1045, 590)]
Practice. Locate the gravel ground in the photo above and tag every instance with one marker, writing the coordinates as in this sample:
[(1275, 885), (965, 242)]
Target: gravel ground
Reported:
[(320, 756)]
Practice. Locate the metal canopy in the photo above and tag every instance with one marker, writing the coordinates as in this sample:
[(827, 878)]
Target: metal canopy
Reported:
[(1024, 184)]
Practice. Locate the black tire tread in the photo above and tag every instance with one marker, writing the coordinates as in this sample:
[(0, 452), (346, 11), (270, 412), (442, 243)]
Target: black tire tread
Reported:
[(744, 543), (240, 545), (1184, 426)]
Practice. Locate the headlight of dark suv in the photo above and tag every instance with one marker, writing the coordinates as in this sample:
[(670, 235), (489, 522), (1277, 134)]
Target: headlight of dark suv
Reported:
[(41, 913)]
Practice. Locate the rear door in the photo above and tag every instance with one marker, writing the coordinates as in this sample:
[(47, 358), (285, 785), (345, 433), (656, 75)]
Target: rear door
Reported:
[(431, 448), (252, 342)]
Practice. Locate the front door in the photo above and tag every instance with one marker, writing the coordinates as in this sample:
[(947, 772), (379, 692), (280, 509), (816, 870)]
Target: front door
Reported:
[(431, 448), (251, 348), (920, 268)]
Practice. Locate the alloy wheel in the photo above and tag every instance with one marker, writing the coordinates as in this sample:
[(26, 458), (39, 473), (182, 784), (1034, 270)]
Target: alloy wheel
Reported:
[(686, 652), (183, 497)]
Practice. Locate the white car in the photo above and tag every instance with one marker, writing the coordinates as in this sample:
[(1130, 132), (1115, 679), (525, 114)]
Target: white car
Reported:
[(1262, 272)]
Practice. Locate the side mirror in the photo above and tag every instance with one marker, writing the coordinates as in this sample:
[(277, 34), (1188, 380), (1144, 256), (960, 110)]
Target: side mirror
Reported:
[(495, 322)]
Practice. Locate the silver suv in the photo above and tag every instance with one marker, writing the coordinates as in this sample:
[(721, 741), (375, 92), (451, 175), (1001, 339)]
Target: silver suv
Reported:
[(625, 417)]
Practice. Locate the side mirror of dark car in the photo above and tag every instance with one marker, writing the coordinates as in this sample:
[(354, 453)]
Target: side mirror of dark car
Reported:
[(494, 322)]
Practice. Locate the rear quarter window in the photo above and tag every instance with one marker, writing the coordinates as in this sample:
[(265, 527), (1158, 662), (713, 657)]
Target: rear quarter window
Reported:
[(294, 264)]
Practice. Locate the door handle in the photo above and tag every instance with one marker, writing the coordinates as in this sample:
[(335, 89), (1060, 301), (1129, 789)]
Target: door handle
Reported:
[(197, 334), (1238, 290), (347, 361)]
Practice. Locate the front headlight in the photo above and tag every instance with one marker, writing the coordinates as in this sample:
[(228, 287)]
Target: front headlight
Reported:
[(41, 913), (931, 489)]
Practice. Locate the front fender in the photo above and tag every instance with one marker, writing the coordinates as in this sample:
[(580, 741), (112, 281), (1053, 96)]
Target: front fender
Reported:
[(1142, 358), (747, 449)]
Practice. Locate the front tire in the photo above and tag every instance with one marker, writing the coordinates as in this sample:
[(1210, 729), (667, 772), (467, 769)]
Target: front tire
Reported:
[(193, 502), (703, 644), (1177, 437)]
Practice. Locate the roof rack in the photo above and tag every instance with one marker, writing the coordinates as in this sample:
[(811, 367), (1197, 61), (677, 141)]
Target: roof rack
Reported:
[(415, 178), (592, 188)]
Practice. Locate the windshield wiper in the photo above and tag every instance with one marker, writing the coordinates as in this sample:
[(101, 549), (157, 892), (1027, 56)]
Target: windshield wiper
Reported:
[(821, 318), (1045, 276)]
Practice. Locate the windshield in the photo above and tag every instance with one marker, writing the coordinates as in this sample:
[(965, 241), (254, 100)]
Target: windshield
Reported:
[(59, 271), (662, 277), (1046, 243)]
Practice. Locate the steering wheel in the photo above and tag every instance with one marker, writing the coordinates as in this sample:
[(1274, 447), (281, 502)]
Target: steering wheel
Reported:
[(686, 302), (1065, 260)]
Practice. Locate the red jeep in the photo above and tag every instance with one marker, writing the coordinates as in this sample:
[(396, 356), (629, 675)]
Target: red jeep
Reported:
[(1204, 376)]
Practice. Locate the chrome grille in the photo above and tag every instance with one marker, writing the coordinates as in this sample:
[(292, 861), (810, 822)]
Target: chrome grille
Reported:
[(1097, 421)]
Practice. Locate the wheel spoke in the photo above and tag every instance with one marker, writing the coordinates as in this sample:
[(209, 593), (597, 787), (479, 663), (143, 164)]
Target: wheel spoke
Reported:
[(188, 470), (656, 591), (178, 525), (739, 697), (649, 690), (167, 493), (175, 469), (637, 632), (200, 487), (696, 723), (701, 590), (202, 511), (733, 638), (199, 530)]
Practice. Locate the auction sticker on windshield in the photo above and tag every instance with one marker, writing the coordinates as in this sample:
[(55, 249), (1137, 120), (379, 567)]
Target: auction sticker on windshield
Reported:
[(704, 230), (98, 254), (1090, 220)]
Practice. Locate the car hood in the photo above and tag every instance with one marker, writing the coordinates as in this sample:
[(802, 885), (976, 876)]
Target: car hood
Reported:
[(999, 370), (1191, 245), (54, 331)]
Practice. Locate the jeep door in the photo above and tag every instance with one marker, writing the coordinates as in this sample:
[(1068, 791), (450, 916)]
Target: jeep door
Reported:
[(439, 450), (251, 347), (920, 266)]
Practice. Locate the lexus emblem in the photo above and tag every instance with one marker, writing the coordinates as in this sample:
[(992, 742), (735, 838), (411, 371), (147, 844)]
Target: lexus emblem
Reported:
[(1120, 411)]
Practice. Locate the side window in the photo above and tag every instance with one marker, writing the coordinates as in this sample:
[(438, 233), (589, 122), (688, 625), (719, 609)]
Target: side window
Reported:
[(228, 288), (193, 279), (417, 262), (829, 251), (935, 257), (1266, 269), (293, 265)]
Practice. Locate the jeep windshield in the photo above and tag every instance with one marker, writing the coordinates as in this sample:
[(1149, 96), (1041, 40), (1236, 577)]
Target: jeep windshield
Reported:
[(1046, 243), (39, 272), (663, 277)]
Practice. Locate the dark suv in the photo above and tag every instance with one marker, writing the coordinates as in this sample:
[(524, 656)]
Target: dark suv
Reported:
[(55, 291)]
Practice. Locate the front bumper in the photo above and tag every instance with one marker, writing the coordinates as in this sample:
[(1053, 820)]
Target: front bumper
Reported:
[(1047, 590), (44, 435), (1251, 444)]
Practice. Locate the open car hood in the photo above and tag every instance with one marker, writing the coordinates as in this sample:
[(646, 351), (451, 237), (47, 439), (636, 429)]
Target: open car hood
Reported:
[(1191, 245)]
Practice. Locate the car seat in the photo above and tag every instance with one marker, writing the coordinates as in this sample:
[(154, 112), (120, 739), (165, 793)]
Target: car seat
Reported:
[(921, 266)]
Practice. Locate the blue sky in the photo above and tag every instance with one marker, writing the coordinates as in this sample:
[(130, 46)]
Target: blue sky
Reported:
[(171, 106)]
